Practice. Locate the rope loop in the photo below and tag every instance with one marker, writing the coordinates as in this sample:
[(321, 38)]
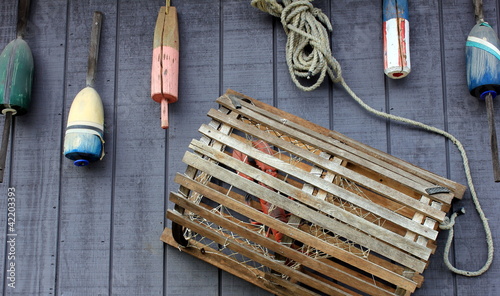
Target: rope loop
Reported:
[(308, 52), (449, 222), (271, 7)]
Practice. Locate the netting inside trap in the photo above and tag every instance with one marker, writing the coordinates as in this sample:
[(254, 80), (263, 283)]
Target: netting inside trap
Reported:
[(302, 211)]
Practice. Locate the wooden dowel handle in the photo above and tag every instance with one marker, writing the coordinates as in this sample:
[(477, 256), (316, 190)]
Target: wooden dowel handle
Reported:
[(478, 10), (5, 143), (95, 37), (164, 114), (493, 137), (23, 9)]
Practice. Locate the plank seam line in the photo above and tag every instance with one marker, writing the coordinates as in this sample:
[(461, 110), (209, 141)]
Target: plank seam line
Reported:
[(113, 166), (61, 145)]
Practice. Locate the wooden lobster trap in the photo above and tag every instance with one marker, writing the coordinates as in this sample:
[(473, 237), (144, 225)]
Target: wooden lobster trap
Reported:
[(301, 210)]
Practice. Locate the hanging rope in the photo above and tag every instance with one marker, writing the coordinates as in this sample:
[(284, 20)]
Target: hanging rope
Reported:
[(307, 30), (308, 54)]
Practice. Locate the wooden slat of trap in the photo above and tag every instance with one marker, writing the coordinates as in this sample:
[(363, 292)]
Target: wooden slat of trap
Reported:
[(217, 125), (236, 246), (375, 199), (366, 286), (191, 172), (294, 220), (399, 166), (449, 197), (338, 213), (381, 263), (355, 223), (420, 240), (317, 140), (331, 249), (321, 183), (266, 281), (335, 189), (379, 188), (383, 248), (348, 148)]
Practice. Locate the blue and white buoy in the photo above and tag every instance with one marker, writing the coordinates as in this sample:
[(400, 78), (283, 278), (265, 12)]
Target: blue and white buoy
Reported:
[(83, 141), (483, 74)]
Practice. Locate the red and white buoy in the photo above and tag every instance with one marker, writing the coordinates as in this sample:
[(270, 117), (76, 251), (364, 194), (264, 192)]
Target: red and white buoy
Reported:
[(396, 33)]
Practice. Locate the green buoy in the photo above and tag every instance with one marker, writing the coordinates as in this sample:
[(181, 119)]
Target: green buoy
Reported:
[(16, 78)]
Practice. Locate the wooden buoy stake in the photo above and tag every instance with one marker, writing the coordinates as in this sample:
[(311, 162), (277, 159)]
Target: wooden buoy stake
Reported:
[(483, 73), (165, 66), (83, 142), (16, 79), (396, 35)]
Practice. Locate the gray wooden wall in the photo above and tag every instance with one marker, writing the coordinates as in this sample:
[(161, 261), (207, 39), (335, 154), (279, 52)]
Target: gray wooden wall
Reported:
[(95, 230)]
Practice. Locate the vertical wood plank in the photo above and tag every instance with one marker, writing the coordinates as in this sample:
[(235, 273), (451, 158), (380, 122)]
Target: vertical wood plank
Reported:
[(357, 46), (138, 158), (247, 47), (315, 105), (199, 86), (36, 157), (419, 96), (86, 192), (247, 67), (8, 18), (468, 121)]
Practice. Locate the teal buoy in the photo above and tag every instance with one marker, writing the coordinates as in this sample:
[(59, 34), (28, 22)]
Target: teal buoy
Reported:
[(16, 79), (16, 76), (482, 55)]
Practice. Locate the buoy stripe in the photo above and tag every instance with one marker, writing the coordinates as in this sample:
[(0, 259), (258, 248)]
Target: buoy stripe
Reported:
[(86, 123), (85, 127), (484, 45), (83, 131)]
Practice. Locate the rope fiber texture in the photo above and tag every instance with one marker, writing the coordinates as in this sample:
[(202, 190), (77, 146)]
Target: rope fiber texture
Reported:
[(308, 54)]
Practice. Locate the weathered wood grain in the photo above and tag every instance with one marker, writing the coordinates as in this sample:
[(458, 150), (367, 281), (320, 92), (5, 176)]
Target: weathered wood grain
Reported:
[(275, 198), (296, 234), (138, 204), (316, 265), (406, 200), (343, 146), (358, 47), (212, 256), (312, 180)]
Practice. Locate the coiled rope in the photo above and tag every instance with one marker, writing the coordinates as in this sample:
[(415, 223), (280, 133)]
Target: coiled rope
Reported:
[(308, 54)]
